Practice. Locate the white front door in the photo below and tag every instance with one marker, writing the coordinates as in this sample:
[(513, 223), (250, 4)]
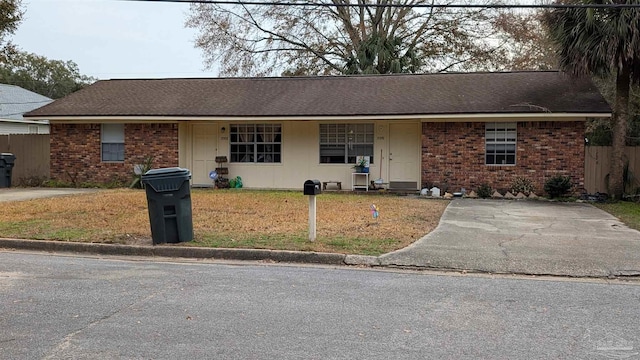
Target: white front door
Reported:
[(404, 155), (204, 153)]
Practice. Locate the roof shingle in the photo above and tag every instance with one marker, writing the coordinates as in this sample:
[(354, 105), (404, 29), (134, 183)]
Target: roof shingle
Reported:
[(427, 94), (15, 101)]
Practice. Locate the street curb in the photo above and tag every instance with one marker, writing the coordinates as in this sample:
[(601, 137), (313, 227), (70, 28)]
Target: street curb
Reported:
[(362, 260), (177, 251), (280, 256)]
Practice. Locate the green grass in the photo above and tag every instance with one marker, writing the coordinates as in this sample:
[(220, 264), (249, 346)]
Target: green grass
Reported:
[(21, 228), (259, 241), (69, 234), (627, 212), (41, 230), (299, 242), (363, 246)]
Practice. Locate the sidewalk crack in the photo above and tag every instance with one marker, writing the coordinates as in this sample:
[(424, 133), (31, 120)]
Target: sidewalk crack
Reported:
[(502, 244)]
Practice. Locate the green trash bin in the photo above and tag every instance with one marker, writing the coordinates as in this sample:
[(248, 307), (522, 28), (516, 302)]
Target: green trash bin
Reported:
[(7, 160), (169, 203)]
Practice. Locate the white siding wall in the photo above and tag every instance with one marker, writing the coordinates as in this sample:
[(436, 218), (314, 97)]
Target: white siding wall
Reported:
[(20, 128), (300, 157)]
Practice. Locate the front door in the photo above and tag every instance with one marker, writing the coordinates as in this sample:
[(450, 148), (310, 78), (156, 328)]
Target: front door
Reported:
[(404, 156), (204, 153)]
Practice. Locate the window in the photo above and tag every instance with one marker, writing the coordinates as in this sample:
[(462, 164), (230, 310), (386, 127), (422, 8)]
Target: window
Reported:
[(500, 143), (112, 137), (256, 143), (341, 143), (33, 129)]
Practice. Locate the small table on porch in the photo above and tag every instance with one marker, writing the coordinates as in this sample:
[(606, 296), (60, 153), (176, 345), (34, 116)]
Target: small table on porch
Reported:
[(355, 184)]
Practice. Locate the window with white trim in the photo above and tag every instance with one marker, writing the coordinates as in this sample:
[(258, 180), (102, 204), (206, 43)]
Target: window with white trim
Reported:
[(500, 143), (112, 141), (256, 143), (341, 143)]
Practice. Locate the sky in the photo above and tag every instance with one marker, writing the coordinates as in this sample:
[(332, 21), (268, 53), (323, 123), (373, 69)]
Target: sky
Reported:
[(112, 39)]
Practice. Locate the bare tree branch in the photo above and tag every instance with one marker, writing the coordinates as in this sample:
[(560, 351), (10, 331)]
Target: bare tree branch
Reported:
[(273, 40)]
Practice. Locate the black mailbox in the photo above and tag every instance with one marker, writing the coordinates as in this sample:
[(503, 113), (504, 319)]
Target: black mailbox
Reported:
[(312, 187)]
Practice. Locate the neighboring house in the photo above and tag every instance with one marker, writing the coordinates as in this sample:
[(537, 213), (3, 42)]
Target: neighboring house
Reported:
[(449, 130), (15, 101)]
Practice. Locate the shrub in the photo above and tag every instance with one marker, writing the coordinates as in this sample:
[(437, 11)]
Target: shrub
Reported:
[(32, 181), (139, 170), (521, 184), (558, 186), (54, 183), (111, 184), (484, 191)]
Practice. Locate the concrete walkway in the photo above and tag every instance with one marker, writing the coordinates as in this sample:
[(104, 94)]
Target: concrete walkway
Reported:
[(21, 194), (526, 237)]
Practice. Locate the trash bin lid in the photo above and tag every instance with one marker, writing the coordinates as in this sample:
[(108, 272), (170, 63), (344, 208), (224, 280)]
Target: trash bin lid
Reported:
[(8, 157), (166, 172), (166, 179)]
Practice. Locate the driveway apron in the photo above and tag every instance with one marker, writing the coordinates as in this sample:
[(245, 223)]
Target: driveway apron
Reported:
[(526, 237), (21, 194)]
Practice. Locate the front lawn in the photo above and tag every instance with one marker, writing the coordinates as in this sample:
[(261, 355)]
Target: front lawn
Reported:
[(627, 212), (232, 219)]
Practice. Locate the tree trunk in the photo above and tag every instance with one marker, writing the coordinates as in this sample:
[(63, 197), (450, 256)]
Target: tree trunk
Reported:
[(619, 127)]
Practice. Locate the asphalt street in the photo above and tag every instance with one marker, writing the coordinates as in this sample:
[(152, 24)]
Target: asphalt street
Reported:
[(72, 307)]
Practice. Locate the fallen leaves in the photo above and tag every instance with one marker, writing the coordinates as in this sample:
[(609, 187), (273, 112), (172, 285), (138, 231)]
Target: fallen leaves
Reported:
[(121, 216)]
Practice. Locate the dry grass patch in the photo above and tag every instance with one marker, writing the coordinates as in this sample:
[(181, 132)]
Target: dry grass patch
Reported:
[(232, 218)]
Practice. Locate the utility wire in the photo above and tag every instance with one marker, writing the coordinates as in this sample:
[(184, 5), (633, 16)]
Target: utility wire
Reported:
[(451, 6)]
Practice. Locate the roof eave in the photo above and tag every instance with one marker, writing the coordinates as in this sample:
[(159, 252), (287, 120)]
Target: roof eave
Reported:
[(424, 117), (30, 121)]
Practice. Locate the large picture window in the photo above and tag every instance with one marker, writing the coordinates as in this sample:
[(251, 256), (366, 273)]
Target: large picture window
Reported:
[(341, 143), (112, 141), (256, 143), (500, 143)]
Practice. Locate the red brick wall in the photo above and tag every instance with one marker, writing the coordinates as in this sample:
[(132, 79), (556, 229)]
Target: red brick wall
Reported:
[(453, 155), (75, 151)]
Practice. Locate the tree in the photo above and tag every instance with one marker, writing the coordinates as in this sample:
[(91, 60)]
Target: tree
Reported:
[(525, 42), (51, 78), (308, 40), (602, 42), (599, 131), (10, 18), (380, 55)]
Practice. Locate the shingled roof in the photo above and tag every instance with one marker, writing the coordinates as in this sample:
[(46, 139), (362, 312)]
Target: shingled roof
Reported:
[(381, 95), (15, 101)]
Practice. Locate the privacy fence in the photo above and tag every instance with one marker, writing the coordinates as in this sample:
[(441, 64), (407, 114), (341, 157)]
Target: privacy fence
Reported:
[(597, 162), (32, 156)]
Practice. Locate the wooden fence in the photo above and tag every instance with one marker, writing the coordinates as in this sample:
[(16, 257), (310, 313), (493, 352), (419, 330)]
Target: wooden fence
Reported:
[(32, 156), (596, 166)]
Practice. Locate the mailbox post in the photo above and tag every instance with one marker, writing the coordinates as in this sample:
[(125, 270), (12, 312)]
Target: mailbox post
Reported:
[(312, 188)]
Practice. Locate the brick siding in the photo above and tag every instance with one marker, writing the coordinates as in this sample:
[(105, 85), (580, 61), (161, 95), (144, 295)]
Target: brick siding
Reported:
[(453, 155), (76, 158)]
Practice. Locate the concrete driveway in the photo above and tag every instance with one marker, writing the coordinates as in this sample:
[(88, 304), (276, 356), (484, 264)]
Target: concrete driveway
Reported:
[(20, 194), (526, 237)]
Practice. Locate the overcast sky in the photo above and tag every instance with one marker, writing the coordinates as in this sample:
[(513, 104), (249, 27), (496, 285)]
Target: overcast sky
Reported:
[(113, 39)]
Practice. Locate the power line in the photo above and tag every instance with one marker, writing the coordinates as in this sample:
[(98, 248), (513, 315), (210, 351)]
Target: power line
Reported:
[(442, 6)]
